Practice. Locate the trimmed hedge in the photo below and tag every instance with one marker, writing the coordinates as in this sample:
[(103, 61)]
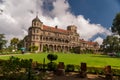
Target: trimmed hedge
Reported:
[(70, 68), (52, 66)]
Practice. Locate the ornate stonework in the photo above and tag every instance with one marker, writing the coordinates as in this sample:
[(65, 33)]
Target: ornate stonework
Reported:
[(51, 38)]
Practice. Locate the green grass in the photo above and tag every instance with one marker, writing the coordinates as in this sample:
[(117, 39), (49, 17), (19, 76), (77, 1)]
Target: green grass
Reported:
[(93, 60)]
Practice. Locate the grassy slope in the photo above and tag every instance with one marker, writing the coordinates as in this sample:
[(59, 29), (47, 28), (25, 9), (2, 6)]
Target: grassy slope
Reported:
[(90, 59)]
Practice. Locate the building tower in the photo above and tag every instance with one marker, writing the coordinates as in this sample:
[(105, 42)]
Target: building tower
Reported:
[(34, 32)]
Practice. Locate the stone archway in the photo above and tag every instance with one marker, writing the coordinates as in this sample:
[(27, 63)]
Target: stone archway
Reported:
[(51, 47), (45, 48), (59, 48), (66, 48), (55, 48)]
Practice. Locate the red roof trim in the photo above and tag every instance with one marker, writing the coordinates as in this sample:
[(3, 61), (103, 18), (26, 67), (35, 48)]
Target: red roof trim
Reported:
[(53, 29), (88, 42)]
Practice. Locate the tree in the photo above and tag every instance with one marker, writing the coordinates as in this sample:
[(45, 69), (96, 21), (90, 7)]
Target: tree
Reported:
[(20, 44), (11, 67), (27, 64), (116, 24), (33, 48), (45, 49), (14, 42), (2, 41), (52, 66), (111, 44)]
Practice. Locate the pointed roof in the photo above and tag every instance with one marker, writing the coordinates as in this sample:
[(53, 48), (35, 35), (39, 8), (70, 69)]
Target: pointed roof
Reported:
[(36, 19)]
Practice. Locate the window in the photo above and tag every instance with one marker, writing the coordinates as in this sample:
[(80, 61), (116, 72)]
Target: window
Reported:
[(48, 33), (33, 30), (41, 37), (34, 24), (37, 31), (37, 24), (43, 33), (37, 37), (33, 44), (33, 37)]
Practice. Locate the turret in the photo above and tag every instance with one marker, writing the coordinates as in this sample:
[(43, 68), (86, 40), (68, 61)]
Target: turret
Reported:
[(37, 23), (72, 28)]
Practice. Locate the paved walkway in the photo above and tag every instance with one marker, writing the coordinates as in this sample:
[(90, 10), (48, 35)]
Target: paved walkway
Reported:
[(73, 76)]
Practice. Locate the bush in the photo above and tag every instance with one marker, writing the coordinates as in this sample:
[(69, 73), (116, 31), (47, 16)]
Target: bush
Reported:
[(52, 57), (70, 68), (116, 72), (52, 66), (95, 70)]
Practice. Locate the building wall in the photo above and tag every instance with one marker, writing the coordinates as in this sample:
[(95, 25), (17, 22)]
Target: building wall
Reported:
[(54, 38)]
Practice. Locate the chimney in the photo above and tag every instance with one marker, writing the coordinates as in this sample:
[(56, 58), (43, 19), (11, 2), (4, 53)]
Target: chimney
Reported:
[(56, 26)]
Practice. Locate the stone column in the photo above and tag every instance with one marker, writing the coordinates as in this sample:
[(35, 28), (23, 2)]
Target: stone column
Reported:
[(41, 47), (53, 48), (60, 69), (83, 70), (56, 48), (108, 73)]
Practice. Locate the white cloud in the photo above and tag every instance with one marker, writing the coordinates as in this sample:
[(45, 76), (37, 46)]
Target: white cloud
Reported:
[(17, 16), (99, 40), (87, 30)]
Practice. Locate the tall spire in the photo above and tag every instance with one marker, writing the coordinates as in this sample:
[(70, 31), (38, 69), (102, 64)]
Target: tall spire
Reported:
[(37, 14), (36, 18)]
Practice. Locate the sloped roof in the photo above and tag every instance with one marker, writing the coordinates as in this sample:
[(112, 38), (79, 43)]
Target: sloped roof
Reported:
[(88, 42), (91, 43), (36, 19), (83, 41), (53, 29)]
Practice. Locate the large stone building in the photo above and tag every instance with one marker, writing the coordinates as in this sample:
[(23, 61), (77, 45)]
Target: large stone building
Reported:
[(51, 38), (89, 45)]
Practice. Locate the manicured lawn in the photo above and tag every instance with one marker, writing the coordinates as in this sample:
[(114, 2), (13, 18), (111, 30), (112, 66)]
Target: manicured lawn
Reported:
[(93, 60)]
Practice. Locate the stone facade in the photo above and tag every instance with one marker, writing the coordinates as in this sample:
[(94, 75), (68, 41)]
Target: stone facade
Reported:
[(53, 38), (89, 45)]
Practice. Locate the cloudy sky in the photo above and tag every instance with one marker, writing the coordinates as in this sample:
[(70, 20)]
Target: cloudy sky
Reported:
[(93, 18)]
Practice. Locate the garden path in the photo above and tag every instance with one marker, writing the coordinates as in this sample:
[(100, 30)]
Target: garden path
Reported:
[(73, 76)]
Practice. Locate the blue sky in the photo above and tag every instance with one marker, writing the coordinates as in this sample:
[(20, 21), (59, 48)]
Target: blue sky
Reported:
[(93, 18), (98, 11)]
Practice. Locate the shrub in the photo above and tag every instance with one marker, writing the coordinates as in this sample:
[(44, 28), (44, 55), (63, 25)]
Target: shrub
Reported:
[(52, 57), (70, 68), (116, 72), (33, 48), (95, 70), (39, 66), (52, 66)]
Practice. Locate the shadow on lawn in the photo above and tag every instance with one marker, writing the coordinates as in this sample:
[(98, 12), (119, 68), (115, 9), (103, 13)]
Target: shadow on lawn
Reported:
[(105, 56)]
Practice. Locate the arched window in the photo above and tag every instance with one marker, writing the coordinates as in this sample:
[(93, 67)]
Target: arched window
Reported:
[(37, 23)]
